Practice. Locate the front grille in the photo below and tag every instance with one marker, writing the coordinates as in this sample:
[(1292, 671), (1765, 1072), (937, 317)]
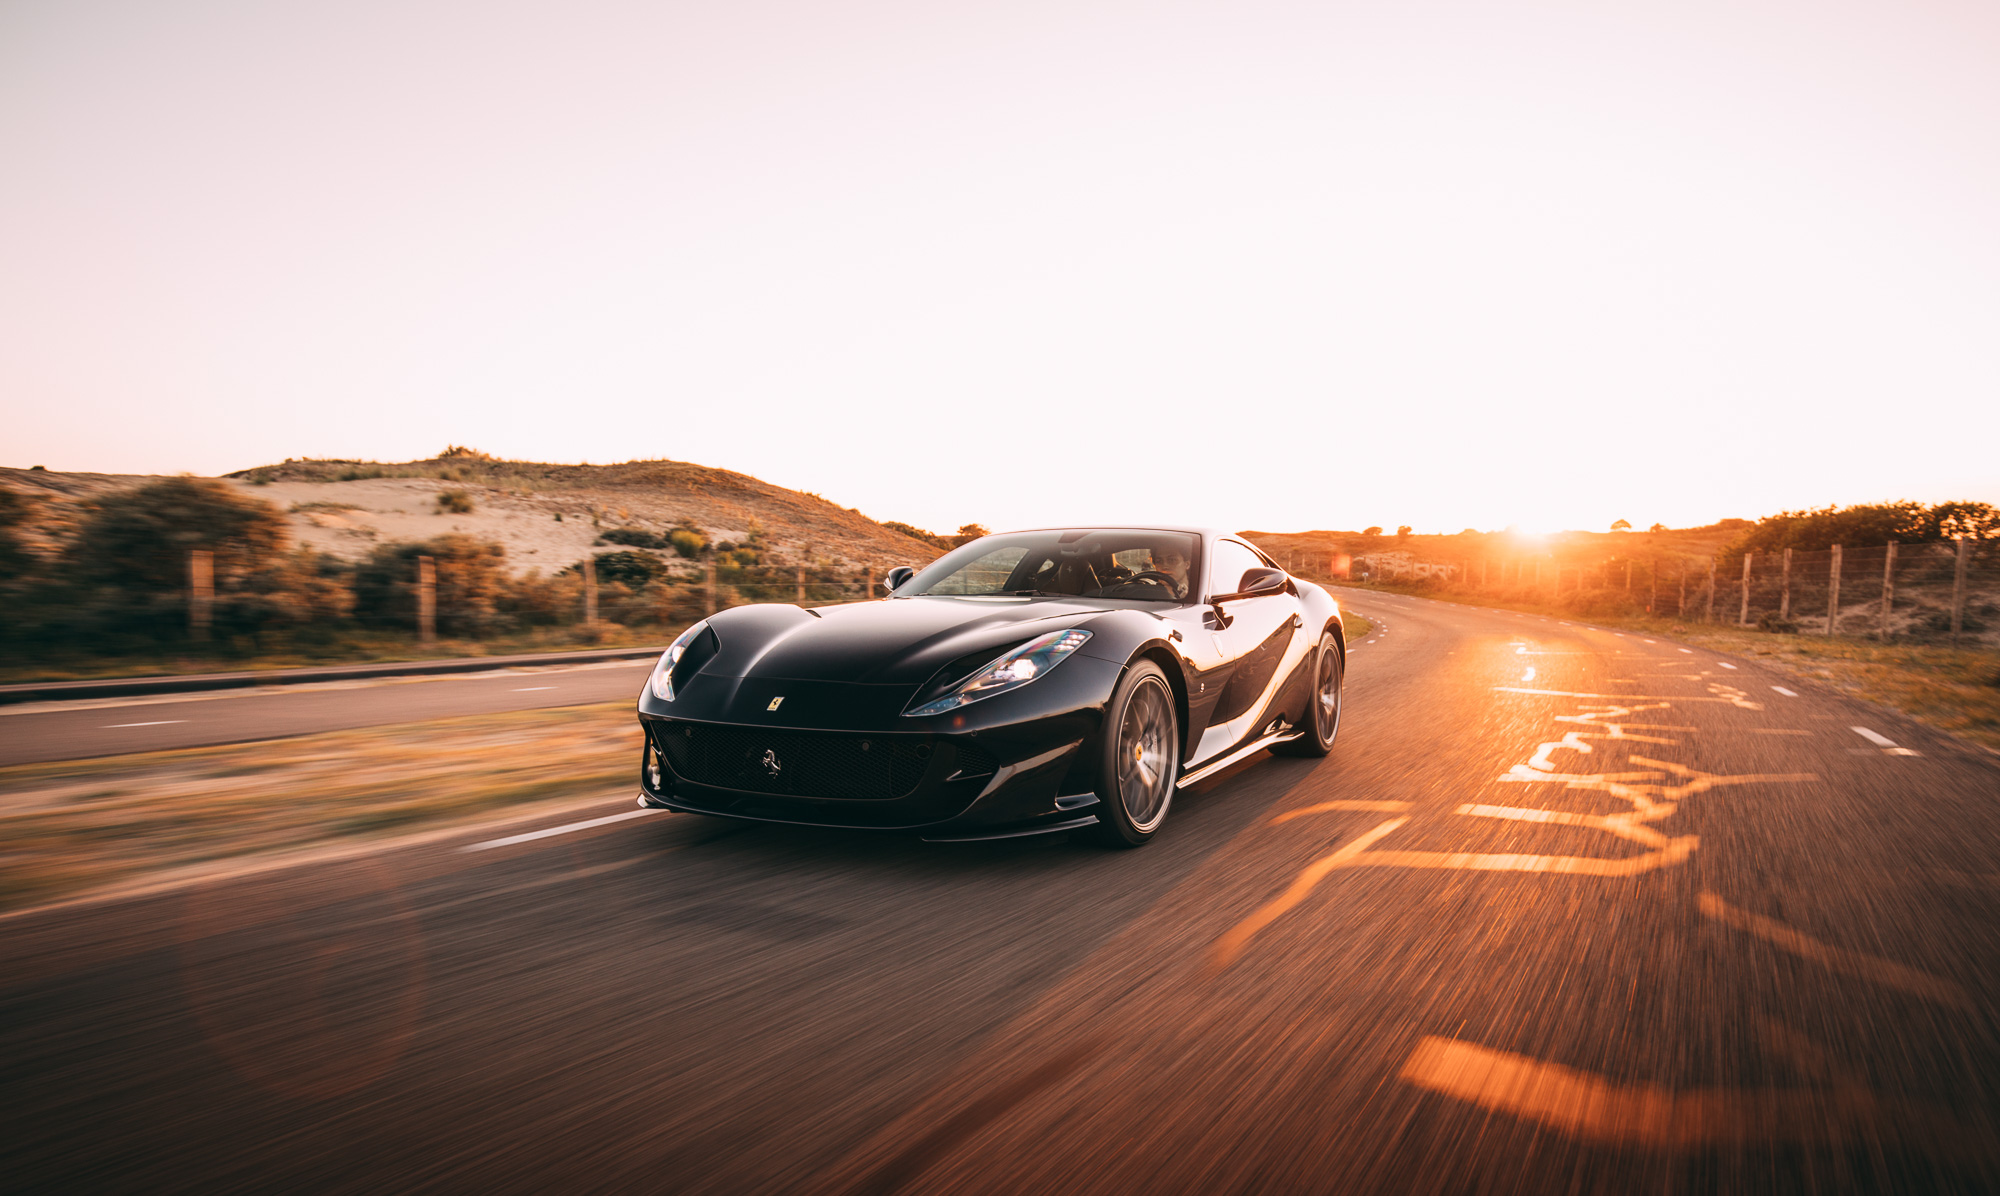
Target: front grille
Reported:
[(795, 763)]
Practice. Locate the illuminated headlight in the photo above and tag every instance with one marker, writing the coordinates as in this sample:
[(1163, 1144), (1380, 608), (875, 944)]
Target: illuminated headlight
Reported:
[(663, 672), (1011, 671)]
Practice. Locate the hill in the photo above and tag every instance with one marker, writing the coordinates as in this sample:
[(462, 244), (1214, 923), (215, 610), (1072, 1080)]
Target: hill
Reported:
[(547, 516)]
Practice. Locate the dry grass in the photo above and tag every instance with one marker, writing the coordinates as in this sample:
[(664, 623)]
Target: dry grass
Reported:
[(75, 825), (1952, 689)]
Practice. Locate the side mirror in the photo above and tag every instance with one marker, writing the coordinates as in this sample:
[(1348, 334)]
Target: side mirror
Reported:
[(1262, 581), (897, 577), (1256, 583)]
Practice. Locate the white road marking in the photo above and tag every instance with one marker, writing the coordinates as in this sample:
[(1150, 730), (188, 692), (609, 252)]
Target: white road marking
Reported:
[(1652, 641), (1725, 664), (1689, 651), (1781, 689), (161, 723), (1529, 675), (585, 825), (1887, 745), (528, 689)]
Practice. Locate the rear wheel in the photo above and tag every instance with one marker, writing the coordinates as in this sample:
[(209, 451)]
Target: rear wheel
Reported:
[(1323, 719), (1140, 760)]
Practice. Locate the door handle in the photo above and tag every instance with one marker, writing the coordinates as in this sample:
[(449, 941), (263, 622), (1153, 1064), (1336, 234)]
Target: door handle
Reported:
[(1297, 622)]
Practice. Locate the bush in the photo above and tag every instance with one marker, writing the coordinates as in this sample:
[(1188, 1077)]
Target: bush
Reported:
[(632, 569), (472, 584), (687, 541), (454, 502), (635, 537), (128, 566)]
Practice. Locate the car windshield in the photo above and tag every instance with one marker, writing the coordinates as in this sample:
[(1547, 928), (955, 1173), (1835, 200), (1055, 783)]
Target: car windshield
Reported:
[(1087, 563)]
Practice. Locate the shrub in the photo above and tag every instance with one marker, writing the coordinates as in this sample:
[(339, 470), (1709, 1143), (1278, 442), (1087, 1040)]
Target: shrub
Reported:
[(455, 502), (632, 569), (687, 541), (128, 565), (635, 537), (472, 584)]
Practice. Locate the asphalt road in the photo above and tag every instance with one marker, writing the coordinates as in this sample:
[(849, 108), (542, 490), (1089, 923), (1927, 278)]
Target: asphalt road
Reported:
[(1565, 911), (30, 734)]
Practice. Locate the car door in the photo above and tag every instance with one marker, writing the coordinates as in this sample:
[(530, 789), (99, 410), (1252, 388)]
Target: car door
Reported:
[(1260, 635)]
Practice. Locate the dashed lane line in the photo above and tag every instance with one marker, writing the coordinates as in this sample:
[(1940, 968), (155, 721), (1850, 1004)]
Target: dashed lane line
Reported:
[(1887, 744), (160, 723), (1781, 689), (585, 825)]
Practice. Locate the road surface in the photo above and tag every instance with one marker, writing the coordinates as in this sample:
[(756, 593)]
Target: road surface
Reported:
[(30, 734), (1565, 911)]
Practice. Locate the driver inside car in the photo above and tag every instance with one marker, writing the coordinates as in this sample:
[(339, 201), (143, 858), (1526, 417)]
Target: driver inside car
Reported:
[(1173, 562)]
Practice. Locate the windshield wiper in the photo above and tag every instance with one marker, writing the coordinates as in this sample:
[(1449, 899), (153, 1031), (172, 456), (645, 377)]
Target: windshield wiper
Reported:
[(1039, 594)]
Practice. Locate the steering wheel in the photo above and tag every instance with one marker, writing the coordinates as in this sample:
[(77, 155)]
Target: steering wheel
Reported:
[(1156, 578)]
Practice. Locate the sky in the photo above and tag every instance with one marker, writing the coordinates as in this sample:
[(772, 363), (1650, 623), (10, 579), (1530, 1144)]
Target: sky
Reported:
[(1257, 264)]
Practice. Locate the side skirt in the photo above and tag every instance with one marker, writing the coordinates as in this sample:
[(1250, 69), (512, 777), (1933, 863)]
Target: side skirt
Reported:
[(1251, 748)]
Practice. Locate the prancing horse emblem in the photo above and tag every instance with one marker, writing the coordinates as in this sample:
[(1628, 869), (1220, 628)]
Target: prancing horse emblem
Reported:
[(776, 702), (771, 764)]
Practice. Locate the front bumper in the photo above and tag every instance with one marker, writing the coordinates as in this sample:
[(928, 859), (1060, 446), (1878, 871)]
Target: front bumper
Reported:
[(843, 755)]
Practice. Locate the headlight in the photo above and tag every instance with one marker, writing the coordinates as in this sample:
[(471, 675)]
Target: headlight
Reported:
[(1011, 671), (663, 672)]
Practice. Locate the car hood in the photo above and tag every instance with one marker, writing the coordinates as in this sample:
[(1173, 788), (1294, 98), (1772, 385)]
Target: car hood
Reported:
[(900, 641)]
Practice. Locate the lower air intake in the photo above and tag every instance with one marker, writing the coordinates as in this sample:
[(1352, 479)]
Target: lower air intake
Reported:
[(795, 763)]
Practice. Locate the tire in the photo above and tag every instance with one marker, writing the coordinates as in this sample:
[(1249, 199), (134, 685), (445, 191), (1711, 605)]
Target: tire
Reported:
[(1329, 674), (1139, 758)]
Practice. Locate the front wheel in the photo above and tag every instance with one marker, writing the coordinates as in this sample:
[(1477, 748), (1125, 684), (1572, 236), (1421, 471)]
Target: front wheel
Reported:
[(1323, 720), (1140, 758)]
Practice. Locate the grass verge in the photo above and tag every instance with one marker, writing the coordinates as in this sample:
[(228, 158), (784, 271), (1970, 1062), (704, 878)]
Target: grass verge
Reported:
[(1953, 689), (75, 825), (345, 650)]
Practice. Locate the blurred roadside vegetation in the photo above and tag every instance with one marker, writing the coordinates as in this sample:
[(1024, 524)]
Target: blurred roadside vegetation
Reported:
[(113, 595), (75, 825)]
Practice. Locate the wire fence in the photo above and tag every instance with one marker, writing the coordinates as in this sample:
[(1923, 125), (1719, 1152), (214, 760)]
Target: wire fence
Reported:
[(1939, 590)]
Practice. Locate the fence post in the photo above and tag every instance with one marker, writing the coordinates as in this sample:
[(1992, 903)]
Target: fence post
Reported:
[(1958, 587), (1743, 620), (1628, 575), (1833, 593), (1680, 612), (710, 583), (427, 600), (1653, 582), (1710, 616), (590, 591), (201, 592), (1888, 590), (1785, 587), (802, 585)]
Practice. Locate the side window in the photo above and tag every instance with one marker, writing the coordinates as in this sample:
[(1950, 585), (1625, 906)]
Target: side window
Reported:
[(1229, 562)]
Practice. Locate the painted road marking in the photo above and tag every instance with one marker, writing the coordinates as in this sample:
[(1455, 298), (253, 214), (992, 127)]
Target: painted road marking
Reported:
[(1689, 651), (1887, 745), (1725, 664), (1529, 675), (161, 723), (1327, 807), (1231, 945), (1840, 959), (1781, 689), (585, 825), (1593, 1106), (528, 689)]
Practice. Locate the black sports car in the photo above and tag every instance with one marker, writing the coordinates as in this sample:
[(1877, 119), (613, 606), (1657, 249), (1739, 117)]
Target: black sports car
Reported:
[(1026, 682)]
